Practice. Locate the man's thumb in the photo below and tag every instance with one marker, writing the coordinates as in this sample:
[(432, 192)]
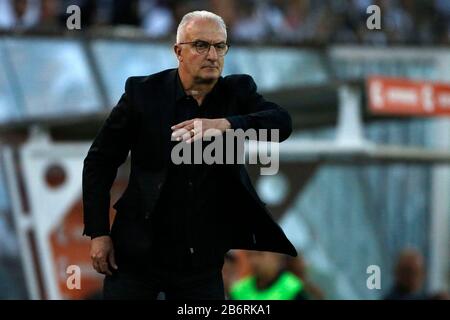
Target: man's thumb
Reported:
[(112, 260)]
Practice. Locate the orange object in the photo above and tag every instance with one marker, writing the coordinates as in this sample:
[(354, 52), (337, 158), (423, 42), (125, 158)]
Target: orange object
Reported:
[(398, 96)]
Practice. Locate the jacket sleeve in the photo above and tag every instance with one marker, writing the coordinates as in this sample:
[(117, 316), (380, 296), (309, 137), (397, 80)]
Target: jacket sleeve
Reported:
[(256, 112), (108, 151)]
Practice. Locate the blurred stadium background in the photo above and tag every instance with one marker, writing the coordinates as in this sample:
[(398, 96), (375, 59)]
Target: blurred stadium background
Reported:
[(355, 187)]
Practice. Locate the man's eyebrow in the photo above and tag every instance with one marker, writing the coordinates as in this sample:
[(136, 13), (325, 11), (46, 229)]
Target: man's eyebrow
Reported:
[(221, 41)]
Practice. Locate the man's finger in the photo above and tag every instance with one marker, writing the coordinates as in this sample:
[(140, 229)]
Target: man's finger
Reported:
[(104, 267), (188, 124), (112, 260), (182, 124), (192, 125), (185, 136), (179, 132), (96, 266)]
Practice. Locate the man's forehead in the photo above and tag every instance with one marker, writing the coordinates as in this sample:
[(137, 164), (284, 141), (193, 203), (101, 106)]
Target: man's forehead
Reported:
[(203, 29)]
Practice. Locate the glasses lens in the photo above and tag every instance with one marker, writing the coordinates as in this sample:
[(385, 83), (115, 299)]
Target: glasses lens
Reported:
[(201, 46), (221, 48)]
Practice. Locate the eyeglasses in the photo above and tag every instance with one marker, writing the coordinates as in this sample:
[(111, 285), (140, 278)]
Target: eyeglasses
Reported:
[(203, 47)]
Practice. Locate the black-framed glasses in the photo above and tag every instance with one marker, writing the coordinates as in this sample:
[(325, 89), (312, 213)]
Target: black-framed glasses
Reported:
[(203, 47)]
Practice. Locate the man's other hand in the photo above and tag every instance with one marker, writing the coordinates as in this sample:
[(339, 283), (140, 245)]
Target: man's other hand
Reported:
[(102, 255)]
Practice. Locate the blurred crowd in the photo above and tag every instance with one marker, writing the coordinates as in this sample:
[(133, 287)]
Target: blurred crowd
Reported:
[(272, 276), (423, 22)]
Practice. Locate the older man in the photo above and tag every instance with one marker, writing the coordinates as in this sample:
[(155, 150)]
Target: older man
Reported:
[(174, 223)]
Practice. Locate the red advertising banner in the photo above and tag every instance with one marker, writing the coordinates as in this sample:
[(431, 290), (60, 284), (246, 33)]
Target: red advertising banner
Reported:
[(399, 96)]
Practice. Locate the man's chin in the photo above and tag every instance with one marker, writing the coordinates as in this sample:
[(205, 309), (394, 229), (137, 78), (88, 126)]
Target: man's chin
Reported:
[(206, 79)]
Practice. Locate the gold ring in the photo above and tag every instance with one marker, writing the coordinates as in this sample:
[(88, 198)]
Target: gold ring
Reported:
[(192, 131)]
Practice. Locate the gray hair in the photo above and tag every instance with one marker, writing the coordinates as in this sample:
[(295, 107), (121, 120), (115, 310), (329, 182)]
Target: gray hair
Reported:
[(188, 17)]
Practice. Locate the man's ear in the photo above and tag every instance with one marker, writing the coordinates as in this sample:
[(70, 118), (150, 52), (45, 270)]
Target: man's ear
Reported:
[(177, 50)]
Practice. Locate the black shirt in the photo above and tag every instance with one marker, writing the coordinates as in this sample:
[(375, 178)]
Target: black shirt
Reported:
[(187, 209)]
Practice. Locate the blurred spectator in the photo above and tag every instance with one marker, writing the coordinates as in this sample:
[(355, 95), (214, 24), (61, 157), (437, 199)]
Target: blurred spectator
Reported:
[(49, 15), (126, 12), (273, 14), (226, 9), (440, 296), (397, 20), (102, 13), (157, 17), (443, 17), (180, 8), (229, 272), (269, 280), (347, 21), (409, 275), (250, 25), (430, 25), (297, 266), (19, 14), (299, 21)]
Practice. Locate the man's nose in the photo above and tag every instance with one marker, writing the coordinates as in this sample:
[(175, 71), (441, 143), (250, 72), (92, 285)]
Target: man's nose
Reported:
[(212, 53)]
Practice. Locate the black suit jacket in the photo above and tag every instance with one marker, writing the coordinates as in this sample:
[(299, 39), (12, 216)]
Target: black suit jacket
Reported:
[(140, 123)]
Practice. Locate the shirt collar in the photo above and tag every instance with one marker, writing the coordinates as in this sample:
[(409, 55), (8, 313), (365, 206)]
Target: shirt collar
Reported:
[(179, 89)]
